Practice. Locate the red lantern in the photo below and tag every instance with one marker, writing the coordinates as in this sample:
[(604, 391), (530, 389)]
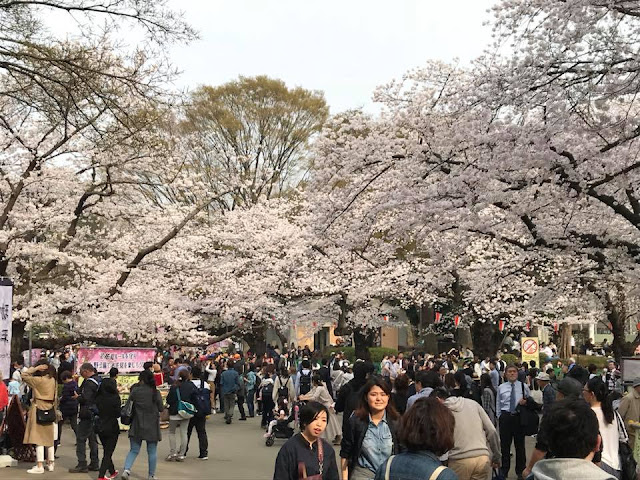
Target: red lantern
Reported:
[(528, 326), (501, 324), (456, 320), (386, 318), (438, 317), (556, 327)]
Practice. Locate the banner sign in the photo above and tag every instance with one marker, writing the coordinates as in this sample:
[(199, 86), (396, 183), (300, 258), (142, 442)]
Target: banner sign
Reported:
[(530, 350), (126, 360), (6, 298), (36, 354)]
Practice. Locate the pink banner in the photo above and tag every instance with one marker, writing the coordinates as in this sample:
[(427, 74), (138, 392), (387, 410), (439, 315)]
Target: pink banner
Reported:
[(126, 360)]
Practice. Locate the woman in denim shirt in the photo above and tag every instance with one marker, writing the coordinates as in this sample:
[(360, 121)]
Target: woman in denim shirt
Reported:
[(426, 431), (369, 435)]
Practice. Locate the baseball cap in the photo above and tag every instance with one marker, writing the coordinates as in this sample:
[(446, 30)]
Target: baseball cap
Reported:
[(570, 387), (543, 377)]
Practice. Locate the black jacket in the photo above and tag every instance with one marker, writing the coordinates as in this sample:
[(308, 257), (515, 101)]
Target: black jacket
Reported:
[(87, 396), (348, 399), (297, 449), (353, 432), (68, 404), (187, 393), (325, 375), (147, 405), (109, 405)]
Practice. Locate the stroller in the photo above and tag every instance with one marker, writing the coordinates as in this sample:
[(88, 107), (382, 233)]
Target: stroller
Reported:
[(282, 429)]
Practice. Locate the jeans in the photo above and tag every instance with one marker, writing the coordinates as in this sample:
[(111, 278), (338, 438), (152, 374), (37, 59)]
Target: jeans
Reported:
[(229, 405), (510, 430), (182, 425), (109, 443), (250, 402), (152, 453), (84, 432), (241, 406), (203, 442)]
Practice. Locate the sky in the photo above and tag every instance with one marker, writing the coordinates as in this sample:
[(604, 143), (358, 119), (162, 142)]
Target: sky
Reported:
[(344, 48)]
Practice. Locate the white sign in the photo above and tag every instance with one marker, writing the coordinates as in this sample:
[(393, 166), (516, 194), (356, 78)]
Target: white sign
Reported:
[(6, 293)]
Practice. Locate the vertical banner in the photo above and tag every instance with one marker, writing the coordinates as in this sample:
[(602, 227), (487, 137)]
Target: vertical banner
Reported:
[(6, 295)]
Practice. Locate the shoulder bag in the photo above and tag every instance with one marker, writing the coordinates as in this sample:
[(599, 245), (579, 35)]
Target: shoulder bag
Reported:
[(627, 462), (47, 417), (185, 409), (302, 468), (529, 419), (126, 412)]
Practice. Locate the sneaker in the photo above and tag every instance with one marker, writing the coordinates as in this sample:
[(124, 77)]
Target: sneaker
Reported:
[(50, 466), (113, 475), (180, 458), (78, 469), (203, 457), (152, 477), (104, 478), (125, 475), (171, 457), (36, 469), (228, 421)]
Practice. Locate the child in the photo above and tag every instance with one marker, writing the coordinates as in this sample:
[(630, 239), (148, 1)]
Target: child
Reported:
[(283, 417), (14, 388)]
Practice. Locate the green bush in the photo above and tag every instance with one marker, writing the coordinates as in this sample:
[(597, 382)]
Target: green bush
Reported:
[(377, 353), (510, 359), (349, 352)]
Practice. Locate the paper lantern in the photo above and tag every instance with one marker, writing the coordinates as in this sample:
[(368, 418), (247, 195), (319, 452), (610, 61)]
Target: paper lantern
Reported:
[(527, 327), (438, 317), (386, 318), (456, 320), (501, 324), (556, 327)]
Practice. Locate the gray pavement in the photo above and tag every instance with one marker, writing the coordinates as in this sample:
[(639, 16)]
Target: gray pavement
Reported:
[(236, 452)]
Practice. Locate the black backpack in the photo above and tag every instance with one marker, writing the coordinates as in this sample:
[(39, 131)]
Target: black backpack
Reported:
[(267, 390), (283, 391), (305, 383)]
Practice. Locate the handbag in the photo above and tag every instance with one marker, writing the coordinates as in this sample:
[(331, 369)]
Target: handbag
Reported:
[(47, 417), (529, 419), (126, 412), (627, 462), (185, 409), (302, 468)]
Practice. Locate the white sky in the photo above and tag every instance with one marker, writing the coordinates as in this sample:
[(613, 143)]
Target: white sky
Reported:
[(345, 48)]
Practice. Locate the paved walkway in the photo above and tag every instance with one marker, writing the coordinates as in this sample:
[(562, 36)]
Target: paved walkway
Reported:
[(236, 452)]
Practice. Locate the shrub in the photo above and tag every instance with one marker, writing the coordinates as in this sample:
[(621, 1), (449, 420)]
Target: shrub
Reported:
[(349, 352), (377, 353), (510, 359)]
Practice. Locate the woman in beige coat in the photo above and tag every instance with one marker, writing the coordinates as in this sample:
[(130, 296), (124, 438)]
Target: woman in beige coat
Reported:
[(42, 380), (320, 394)]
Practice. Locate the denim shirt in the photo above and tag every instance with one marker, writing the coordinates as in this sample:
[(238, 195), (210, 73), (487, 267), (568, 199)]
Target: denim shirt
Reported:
[(414, 466), (377, 445)]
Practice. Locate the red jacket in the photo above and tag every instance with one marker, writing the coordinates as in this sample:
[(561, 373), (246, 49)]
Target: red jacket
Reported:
[(4, 396)]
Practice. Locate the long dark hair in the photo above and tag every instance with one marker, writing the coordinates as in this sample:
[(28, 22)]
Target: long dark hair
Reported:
[(147, 378), (363, 411), (600, 391), (50, 371), (485, 382)]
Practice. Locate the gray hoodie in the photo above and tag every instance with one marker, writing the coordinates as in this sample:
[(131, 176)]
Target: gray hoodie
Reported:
[(568, 469), (474, 433)]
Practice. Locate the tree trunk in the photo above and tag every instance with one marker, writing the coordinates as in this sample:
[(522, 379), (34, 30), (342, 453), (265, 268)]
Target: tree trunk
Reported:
[(564, 348), (362, 339), (617, 322), (487, 339), (463, 337), (17, 340), (257, 339), (283, 340)]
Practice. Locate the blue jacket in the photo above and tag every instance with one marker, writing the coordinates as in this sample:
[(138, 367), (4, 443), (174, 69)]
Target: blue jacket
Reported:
[(414, 466), (229, 381)]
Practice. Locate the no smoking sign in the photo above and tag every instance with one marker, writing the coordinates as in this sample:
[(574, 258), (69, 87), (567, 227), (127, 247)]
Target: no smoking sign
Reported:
[(530, 347)]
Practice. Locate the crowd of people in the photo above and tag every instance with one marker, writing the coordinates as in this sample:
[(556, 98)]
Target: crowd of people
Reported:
[(416, 416)]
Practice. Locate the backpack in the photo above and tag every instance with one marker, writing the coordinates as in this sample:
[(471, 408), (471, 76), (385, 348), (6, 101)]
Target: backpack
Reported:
[(283, 391), (267, 390), (202, 400), (305, 383)]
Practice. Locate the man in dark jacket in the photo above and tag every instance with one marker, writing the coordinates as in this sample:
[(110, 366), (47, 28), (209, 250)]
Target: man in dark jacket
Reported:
[(87, 400), (347, 400), (68, 403), (229, 385)]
